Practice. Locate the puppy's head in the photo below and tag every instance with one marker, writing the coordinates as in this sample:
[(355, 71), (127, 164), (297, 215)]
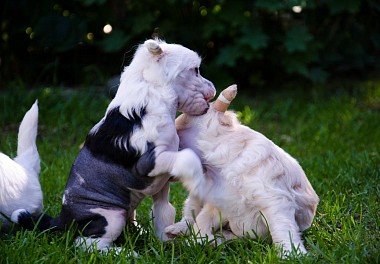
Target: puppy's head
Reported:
[(217, 119), (177, 68)]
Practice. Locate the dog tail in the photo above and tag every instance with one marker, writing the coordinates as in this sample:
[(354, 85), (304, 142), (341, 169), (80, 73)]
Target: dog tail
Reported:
[(27, 153), (39, 222)]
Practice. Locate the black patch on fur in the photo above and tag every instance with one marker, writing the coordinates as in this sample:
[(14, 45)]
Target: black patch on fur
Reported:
[(145, 163), (29, 222), (102, 143), (94, 227)]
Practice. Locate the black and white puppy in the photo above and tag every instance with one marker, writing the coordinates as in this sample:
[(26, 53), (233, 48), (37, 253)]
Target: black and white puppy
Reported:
[(133, 151)]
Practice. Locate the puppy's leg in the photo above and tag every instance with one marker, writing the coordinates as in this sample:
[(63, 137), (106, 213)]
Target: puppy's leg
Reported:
[(100, 230), (283, 228), (227, 235), (207, 222), (163, 212), (249, 224), (191, 209), (184, 165)]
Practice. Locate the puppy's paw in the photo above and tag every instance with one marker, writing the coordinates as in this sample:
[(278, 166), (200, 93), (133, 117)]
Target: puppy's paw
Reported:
[(19, 213), (177, 229), (187, 165), (208, 239), (287, 250)]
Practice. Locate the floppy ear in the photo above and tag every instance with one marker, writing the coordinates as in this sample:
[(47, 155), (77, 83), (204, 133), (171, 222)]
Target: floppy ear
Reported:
[(153, 47)]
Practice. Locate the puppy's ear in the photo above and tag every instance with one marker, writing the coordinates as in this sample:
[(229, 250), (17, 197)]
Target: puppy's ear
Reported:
[(153, 47)]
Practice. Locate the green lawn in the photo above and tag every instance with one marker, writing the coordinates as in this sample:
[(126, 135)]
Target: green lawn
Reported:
[(334, 133)]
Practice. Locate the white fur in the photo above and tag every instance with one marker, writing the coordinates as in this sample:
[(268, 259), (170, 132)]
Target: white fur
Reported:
[(19, 181), (253, 183)]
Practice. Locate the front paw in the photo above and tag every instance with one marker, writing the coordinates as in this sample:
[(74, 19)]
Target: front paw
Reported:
[(187, 165), (208, 239), (287, 250), (177, 229)]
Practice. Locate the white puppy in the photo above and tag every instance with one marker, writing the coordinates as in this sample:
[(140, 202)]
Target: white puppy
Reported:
[(19, 181), (249, 183)]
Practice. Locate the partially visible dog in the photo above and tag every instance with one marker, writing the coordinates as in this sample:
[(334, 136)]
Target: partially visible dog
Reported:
[(133, 151), (249, 183), (19, 178)]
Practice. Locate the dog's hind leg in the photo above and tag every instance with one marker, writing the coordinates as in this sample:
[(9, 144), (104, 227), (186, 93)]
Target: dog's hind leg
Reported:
[(284, 229), (102, 229), (163, 212)]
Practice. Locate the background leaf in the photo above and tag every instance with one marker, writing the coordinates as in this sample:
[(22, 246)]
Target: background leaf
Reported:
[(115, 41), (297, 39), (59, 40)]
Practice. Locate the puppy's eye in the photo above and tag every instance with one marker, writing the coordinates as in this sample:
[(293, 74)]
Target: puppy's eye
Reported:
[(196, 70)]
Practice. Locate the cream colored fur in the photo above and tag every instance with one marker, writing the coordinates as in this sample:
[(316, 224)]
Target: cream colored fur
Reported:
[(249, 183)]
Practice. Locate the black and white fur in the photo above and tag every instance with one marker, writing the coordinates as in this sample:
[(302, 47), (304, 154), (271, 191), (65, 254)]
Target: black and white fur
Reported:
[(133, 151)]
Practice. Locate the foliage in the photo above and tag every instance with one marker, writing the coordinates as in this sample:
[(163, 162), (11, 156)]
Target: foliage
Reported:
[(333, 133), (249, 42)]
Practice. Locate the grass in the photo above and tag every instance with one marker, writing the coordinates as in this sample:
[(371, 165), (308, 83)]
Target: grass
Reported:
[(334, 133)]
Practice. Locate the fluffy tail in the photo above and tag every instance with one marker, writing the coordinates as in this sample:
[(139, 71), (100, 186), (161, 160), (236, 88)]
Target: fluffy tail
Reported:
[(27, 153), (28, 221)]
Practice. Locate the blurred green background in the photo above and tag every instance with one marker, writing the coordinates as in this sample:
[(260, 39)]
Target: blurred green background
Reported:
[(257, 44), (308, 72)]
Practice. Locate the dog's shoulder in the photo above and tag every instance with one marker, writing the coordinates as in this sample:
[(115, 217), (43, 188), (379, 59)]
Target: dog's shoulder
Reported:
[(111, 139)]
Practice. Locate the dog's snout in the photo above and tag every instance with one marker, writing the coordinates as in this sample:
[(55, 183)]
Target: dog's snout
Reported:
[(209, 96), (210, 91)]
